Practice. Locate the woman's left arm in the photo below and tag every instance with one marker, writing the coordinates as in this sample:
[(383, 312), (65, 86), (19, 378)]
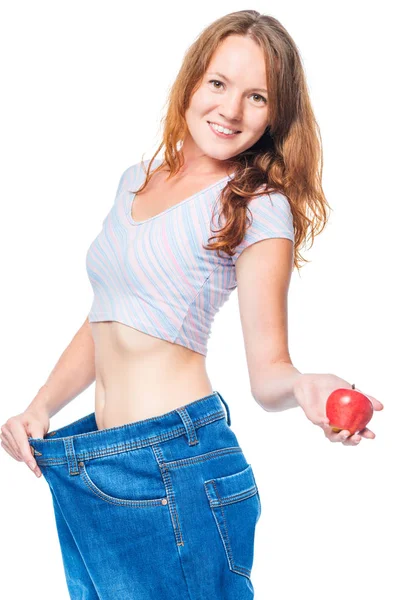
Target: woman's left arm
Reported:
[(263, 273)]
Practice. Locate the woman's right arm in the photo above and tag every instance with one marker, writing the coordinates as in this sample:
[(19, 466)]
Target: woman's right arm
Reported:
[(73, 373)]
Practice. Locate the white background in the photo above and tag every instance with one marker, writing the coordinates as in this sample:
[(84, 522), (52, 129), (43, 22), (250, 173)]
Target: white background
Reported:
[(84, 86)]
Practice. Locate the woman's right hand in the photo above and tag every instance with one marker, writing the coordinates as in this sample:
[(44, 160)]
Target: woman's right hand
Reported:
[(32, 422)]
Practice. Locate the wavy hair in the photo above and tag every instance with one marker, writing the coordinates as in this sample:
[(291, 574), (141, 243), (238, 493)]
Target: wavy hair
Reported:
[(288, 156)]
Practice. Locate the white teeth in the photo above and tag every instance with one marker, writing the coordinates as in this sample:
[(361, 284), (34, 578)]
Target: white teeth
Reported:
[(221, 129)]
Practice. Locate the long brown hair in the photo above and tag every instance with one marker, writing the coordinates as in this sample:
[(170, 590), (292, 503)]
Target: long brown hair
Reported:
[(287, 157)]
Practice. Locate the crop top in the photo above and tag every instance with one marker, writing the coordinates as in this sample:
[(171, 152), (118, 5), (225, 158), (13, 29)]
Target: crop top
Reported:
[(156, 277)]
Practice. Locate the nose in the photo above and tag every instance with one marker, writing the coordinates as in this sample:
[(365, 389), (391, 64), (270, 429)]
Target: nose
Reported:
[(231, 110)]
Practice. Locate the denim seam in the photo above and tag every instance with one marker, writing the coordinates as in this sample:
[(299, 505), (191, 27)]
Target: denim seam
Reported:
[(130, 446), (176, 464), (150, 419), (170, 493), (235, 497)]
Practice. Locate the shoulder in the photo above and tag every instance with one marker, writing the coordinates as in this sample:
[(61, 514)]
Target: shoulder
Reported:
[(270, 200), (129, 176), (136, 173), (271, 217), (126, 177), (272, 210)]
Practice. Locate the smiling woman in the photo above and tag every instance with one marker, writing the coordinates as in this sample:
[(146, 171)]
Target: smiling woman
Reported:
[(152, 493), (231, 105)]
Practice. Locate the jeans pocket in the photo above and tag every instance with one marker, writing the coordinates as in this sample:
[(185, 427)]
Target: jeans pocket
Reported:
[(236, 507), (125, 479)]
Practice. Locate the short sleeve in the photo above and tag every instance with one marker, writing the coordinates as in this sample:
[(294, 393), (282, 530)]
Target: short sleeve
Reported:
[(123, 183), (125, 179), (272, 218)]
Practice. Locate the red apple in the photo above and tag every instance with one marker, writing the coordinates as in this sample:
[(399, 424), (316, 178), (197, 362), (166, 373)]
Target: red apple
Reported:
[(348, 409)]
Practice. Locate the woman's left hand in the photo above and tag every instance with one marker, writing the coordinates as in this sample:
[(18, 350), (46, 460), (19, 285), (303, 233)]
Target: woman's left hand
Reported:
[(312, 391)]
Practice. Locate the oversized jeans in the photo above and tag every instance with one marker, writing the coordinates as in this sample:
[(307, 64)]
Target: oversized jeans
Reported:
[(159, 509)]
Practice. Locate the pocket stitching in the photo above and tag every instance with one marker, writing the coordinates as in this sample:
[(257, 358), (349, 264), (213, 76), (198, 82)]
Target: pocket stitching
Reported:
[(224, 537), (234, 497), (219, 505), (117, 501)]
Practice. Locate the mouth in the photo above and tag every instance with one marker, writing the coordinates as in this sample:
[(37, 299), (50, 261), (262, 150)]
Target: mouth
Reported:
[(221, 133)]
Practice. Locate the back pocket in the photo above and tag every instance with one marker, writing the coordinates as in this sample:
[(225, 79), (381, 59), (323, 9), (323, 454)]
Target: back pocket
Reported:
[(236, 507)]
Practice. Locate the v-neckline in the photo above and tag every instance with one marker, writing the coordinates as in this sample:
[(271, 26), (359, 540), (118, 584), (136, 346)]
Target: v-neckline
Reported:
[(160, 214)]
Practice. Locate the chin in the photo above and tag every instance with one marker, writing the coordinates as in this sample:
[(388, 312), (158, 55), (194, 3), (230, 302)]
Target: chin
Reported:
[(212, 152)]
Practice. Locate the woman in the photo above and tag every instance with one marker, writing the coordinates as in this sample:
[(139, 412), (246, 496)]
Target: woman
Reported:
[(153, 496)]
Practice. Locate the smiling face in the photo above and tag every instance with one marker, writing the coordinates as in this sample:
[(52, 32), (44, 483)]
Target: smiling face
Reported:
[(233, 94)]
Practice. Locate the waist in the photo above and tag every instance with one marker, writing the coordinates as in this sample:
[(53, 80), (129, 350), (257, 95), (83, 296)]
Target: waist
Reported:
[(139, 376), (86, 441), (130, 400)]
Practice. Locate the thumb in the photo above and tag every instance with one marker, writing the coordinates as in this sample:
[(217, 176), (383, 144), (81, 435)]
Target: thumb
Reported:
[(376, 404), (35, 430), (36, 424)]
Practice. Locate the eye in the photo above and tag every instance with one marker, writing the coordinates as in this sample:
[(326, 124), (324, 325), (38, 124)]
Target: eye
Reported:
[(215, 81), (264, 100)]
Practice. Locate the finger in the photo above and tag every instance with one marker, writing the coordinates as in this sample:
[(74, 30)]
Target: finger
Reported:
[(334, 436), (349, 439), (7, 448), (377, 405), (9, 439), (343, 436), (352, 440), (328, 432), (25, 450), (367, 433)]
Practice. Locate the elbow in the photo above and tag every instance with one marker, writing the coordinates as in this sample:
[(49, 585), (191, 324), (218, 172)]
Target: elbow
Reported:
[(278, 403), (266, 402), (274, 392)]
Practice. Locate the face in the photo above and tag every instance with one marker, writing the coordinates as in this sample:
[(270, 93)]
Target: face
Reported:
[(232, 93)]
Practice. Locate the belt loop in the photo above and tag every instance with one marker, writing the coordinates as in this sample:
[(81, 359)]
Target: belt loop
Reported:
[(189, 426), (71, 456), (228, 414)]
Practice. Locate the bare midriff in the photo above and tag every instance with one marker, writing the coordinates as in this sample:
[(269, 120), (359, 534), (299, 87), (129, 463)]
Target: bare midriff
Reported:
[(139, 376)]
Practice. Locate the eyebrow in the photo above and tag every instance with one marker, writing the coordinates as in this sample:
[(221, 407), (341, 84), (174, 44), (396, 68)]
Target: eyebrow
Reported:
[(226, 78)]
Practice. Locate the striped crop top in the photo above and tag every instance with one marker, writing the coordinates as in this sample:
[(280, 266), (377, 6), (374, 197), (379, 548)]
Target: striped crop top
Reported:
[(155, 276)]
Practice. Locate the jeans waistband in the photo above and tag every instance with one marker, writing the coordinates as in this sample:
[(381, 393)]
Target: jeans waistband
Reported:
[(82, 440)]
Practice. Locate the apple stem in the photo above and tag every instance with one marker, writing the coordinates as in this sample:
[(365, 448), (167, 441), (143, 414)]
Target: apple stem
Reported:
[(353, 386)]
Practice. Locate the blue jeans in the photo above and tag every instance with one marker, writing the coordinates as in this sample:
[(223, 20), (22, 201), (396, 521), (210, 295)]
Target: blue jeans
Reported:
[(163, 508)]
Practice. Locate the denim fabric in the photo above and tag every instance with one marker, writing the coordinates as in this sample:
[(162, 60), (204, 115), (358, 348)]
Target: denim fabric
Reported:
[(163, 508)]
